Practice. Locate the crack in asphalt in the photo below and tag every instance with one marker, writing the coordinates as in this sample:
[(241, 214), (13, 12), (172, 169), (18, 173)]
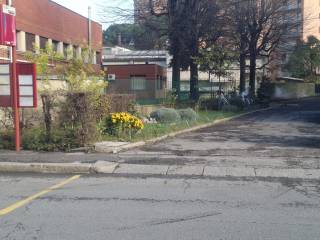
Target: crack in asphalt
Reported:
[(184, 219), (171, 220)]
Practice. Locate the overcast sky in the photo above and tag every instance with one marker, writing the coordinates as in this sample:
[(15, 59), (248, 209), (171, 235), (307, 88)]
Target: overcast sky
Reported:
[(81, 6)]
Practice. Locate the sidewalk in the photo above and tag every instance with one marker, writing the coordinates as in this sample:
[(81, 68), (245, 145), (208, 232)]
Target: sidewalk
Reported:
[(135, 170)]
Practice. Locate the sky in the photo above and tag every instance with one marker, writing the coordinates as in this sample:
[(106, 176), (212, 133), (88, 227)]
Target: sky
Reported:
[(98, 6)]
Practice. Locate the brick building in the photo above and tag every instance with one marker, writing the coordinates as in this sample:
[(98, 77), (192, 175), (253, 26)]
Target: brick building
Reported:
[(145, 81), (43, 21)]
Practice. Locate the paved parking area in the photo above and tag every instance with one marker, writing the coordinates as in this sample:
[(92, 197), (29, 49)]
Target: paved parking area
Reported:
[(284, 137)]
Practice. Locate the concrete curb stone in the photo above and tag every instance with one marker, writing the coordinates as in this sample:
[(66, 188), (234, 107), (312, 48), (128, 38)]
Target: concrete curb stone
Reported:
[(105, 167), (116, 169), (61, 168), (210, 171), (289, 173), (141, 169), (186, 170)]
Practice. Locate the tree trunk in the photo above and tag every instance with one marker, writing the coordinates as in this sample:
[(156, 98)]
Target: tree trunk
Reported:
[(176, 74), (253, 65), (242, 72), (47, 108), (242, 66), (194, 81)]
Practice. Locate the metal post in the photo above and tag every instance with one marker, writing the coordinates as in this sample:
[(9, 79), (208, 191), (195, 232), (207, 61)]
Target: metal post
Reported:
[(15, 99), (15, 105)]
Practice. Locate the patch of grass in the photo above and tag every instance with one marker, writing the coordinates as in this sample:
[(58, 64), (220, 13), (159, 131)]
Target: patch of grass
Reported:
[(160, 129), (64, 140)]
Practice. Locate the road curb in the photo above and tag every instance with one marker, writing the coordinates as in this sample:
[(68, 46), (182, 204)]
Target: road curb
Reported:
[(129, 146), (124, 170), (59, 168)]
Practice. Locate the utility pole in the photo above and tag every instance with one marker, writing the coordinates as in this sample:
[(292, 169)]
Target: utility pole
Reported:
[(15, 105)]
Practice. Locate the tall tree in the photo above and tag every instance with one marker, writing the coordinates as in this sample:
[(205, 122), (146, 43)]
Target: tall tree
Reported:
[(262, 27), (305, 59), (237, 32), (120, 34), (192, 23), (267, 28), (216, 60)]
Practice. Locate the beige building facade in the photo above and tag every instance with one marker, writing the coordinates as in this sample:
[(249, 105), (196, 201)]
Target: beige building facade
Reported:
[(304, 18), (311, 18)]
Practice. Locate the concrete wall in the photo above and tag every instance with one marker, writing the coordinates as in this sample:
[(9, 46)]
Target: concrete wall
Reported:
[(293, 90)]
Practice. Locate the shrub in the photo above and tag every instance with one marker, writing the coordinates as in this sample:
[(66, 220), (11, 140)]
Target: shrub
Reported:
[(78, 115), (230, 108), (121, 102), (6, 119), (60, 140), (188, 114), (166, 115), (236, 101), (122, 124), (171, 98), (208, 104), (7, 140)]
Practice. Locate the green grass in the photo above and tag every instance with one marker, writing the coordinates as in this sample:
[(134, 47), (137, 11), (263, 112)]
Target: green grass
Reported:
[(33, 139), (160, 129)]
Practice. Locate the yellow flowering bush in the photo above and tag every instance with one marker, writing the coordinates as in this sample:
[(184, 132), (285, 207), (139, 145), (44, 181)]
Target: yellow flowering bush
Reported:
[(127, 120), (122, 124)]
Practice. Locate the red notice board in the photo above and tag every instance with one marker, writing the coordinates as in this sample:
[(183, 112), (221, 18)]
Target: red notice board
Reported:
[(27, 82), (27, 85), (8, 26), (5, 85)]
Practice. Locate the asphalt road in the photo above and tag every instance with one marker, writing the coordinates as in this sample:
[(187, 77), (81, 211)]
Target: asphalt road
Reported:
[(138, 209), (90, 207), (286, 137)]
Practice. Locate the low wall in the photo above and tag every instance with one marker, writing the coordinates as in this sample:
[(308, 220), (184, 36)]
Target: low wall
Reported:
[(292, 90)]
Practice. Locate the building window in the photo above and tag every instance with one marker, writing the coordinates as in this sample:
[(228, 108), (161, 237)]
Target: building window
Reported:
[(30, 41), (65, 50), (159, 83), (98, 58), (55, 45), (43, 42), (138, 83), (74, 52)]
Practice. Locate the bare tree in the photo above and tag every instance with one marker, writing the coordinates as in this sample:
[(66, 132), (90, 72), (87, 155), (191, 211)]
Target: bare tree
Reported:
[(191, 24), (260, 27), (237, 32)]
